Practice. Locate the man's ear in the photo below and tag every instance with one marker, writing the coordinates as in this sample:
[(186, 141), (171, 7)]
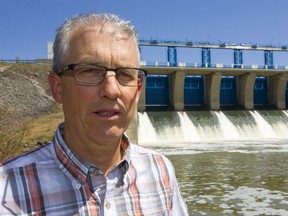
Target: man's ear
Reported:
[(139, 89), (54, 82)]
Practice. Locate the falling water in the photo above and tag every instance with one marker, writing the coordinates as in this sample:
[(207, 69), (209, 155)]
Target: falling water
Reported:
[(187, 127), (265, 130), (227, 127), (146, 127), (212, 129)]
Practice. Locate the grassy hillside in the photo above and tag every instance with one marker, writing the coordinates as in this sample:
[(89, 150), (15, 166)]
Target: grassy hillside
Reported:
[(28, 113)]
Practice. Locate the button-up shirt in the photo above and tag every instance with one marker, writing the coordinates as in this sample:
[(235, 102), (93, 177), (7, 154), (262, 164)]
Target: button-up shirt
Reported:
[(52, 180)]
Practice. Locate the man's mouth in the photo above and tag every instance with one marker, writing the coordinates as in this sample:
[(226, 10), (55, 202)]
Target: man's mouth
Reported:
[(107, 113)]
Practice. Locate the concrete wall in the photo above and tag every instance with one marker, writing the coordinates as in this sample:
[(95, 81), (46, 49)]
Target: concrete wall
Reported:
[(212, 90), (177, 85), (277, 86), (245, 90)]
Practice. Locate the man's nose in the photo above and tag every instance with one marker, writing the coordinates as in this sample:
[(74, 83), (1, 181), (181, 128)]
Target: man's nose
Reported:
[(110, 86)]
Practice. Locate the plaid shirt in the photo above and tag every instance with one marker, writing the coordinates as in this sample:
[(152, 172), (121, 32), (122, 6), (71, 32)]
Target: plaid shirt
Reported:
[(54, 181)]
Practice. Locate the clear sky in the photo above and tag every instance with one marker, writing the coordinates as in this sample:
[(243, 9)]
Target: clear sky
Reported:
[(27, 25)]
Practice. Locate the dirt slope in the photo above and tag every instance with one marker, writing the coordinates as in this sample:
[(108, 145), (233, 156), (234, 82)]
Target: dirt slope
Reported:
[(24, 89)]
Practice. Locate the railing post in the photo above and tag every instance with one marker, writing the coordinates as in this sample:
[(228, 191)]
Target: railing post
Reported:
[(268, 56), (172, 56), (238, 58), (206, 57)]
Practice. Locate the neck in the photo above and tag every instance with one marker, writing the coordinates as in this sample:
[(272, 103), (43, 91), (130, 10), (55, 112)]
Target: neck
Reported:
[(103, 155)]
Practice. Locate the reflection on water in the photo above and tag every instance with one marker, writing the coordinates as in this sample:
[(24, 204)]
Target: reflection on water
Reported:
[(227, 163), (225, 183)]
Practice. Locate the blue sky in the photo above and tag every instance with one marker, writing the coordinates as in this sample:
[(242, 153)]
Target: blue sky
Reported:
[(27, 25)]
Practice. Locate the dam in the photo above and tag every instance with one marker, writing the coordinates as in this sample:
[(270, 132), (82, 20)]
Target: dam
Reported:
[(181, 85), (199, 102)]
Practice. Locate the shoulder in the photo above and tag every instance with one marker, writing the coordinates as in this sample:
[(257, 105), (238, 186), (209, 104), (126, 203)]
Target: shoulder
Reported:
[(151, 168), (35, 156), (143, 151), (150, 157)]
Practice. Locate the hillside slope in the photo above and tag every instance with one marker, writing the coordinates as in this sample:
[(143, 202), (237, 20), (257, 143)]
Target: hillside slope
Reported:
[(24, 89)]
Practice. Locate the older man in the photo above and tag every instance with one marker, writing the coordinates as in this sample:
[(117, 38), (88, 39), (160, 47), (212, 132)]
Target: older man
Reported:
[(90, 167)]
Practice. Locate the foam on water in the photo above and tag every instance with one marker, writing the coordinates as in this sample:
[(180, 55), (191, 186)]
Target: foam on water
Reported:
[(250, 201), (193, 132)]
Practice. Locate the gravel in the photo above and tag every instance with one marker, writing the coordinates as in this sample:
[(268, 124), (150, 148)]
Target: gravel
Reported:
[(24, 89)]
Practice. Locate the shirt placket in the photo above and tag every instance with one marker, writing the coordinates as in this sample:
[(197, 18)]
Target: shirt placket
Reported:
[(98, 187), (109, 204), (113, 193), (104, 189)]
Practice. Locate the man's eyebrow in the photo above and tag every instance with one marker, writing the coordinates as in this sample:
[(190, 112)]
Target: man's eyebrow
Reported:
[(126, 66), (91, 62), (105, 64)]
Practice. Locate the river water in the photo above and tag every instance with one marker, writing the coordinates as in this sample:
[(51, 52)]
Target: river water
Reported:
[(227, 163)]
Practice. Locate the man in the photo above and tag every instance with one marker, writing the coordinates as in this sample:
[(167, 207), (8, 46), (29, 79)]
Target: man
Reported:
[(90, 167)]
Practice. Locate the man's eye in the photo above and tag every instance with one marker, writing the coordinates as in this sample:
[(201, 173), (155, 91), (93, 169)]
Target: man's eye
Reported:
[(126, 73), (89, 70)]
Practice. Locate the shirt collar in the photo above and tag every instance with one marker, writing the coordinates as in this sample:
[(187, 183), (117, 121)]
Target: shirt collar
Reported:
[(74, 167)]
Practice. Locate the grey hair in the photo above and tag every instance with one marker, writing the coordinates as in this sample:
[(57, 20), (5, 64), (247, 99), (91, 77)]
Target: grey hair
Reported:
[(65, 32)]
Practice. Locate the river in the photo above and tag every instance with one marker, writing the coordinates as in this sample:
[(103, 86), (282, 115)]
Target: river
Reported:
[(228, 162)]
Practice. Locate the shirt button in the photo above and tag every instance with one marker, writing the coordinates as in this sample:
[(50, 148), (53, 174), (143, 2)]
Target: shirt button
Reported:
[(108, 205), (95, 172)]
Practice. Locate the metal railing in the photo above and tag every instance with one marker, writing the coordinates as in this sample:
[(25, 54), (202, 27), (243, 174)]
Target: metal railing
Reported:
[(217, 65), (26, 61), (211, 44)]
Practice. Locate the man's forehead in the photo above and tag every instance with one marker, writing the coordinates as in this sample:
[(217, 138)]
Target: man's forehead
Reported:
[(108, 30), (94, 46)]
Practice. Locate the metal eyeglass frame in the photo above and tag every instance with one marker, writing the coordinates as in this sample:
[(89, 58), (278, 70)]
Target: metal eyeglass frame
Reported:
[(72, 67)]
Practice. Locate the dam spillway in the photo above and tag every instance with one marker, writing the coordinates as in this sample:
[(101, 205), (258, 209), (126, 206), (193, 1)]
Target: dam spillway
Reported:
[(164, 129)]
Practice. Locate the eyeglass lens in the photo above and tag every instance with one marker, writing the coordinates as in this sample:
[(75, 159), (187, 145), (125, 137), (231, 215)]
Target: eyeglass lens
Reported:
[(93, 74)]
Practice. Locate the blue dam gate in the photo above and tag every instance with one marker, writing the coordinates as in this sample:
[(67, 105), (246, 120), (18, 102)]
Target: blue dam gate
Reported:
[(260, 91), (194, 90), (157, 90), (228, 91)]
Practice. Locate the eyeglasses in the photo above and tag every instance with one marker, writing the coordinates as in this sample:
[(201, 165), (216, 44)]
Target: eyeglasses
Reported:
[(93, 74)]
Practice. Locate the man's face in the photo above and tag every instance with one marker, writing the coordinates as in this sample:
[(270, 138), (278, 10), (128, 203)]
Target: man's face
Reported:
[(99, 113)]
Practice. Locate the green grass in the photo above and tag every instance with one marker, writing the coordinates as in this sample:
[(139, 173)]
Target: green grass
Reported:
[(22, 137), (4, 64), (43, 128)]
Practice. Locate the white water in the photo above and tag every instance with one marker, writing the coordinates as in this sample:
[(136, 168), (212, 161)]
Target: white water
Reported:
[(146, 128), (264, 129), (229, 130), (187, 128), (227, 127)]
